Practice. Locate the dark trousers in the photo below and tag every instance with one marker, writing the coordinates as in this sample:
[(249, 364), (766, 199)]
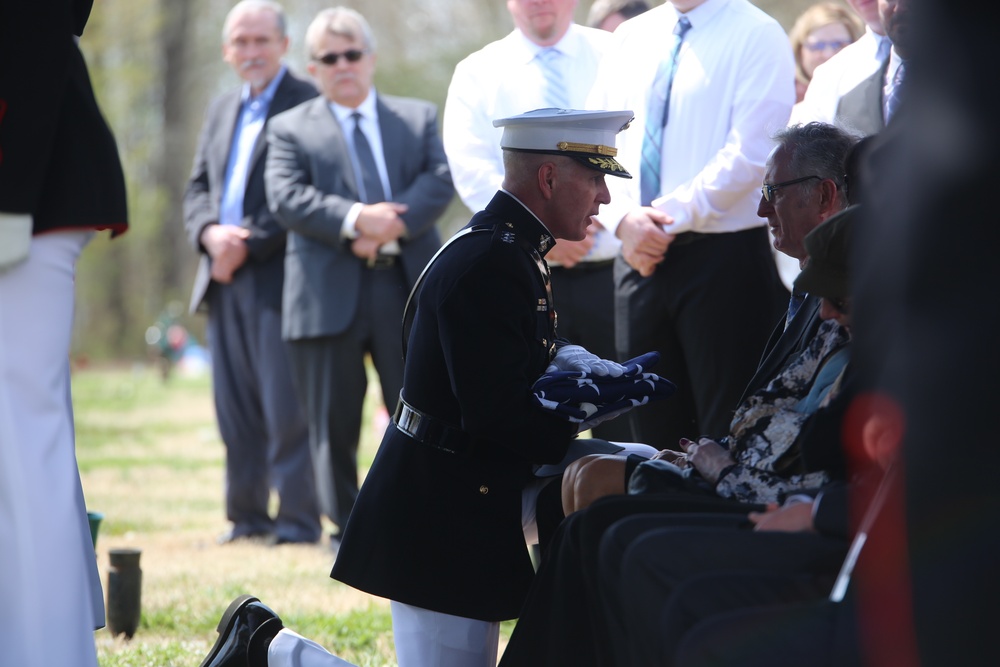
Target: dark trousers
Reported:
[(654, 566), (585, 304), (561, 622), (708, 309), (760, 620), (260, 419), (332, 382)]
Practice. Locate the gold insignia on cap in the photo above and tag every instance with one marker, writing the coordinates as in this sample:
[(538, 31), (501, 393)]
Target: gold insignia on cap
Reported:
[(587, 148), (606, 163)]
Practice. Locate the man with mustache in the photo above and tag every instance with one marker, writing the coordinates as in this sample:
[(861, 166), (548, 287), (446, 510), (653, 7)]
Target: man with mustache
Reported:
[(239, 283)]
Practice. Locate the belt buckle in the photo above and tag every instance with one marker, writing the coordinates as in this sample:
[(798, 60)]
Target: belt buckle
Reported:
[(380, 261)]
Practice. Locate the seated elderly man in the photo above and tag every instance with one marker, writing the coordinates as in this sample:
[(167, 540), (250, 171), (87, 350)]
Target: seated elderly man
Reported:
[(661, 575)]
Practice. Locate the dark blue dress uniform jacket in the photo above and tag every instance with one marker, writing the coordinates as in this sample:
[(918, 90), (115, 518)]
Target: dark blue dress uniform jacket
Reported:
[(439, 530), (58, 159)]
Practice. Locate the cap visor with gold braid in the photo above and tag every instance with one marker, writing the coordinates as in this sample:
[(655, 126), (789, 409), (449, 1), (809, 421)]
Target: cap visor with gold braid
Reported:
[(585, 136)]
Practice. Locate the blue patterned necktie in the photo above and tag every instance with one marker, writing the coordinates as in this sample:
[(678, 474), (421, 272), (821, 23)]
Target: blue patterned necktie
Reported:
[(896, 92), (656, 118), (371, 181), (555, 87)]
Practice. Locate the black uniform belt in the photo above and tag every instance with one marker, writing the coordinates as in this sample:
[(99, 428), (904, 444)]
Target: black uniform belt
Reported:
[(430, 431), (381, 262)]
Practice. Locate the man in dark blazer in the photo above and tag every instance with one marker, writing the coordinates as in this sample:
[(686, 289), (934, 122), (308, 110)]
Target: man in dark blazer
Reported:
[(239, 283), (61, 180), (358, 179)]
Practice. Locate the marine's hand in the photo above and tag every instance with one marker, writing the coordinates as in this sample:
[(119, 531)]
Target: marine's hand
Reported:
[(576, 358)]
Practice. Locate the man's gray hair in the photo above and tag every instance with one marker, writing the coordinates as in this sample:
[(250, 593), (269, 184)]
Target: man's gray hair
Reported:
[(341, 21), (246, 6), (818, 149)]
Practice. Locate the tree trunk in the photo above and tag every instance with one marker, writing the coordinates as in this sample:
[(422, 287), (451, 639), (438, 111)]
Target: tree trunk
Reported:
[(173, 161)]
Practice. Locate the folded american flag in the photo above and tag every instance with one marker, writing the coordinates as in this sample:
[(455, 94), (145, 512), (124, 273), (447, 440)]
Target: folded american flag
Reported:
[(581, 397)]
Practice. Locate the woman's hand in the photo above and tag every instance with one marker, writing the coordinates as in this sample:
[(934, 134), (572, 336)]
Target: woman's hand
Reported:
[(679, 459), (708, 457)]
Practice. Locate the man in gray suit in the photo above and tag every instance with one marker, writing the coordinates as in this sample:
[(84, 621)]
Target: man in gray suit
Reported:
[(239, 283), (869, 106), (358, 179)]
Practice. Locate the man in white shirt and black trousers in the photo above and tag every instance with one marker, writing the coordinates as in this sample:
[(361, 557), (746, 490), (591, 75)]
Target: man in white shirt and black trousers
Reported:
[(696, 279), (546, 61)]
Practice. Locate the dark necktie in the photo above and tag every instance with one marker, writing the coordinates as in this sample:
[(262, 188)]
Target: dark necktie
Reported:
[(656, 118), (371, 183), (795, 302)]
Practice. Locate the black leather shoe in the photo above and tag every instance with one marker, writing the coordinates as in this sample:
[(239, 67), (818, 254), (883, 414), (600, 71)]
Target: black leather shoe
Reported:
[(260, 640), (243, 616)]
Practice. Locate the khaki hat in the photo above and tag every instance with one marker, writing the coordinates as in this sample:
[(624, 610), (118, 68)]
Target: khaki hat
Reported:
[(827, 271), (586, 136)]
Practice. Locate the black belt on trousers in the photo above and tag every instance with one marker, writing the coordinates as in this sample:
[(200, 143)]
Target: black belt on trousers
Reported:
[(587, 266), (381, 262), (430, 431), (689, 237)]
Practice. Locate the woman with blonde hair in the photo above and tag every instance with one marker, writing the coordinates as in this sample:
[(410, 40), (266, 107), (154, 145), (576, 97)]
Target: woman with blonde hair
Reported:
[(820, 32)]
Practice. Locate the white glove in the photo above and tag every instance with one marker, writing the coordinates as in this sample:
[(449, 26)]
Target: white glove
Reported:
[(15, 239), (577, 359)]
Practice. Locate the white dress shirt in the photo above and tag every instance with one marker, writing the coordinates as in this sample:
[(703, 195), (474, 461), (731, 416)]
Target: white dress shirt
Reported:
[(502, 80), (838, 75), (733, 87), (369, 125)]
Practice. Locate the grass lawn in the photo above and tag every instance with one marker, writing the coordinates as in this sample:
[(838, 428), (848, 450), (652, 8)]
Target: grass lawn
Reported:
[(151, 460)]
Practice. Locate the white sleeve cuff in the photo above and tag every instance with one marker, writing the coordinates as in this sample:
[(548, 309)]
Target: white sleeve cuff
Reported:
[(347, 228)]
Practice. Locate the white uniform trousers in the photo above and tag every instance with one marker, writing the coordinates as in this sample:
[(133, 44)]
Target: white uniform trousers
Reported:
[(423, 638), (290, 649), (426, 638), (49, 584)]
